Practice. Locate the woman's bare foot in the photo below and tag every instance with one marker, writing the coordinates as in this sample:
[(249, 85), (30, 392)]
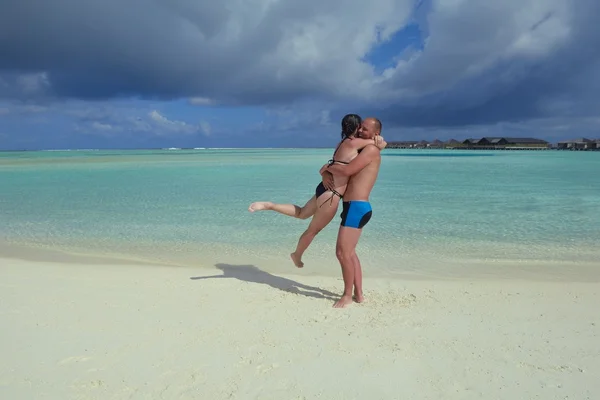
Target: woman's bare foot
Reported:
[(260, 206), (297, 260), (343, 302), (358, 297)]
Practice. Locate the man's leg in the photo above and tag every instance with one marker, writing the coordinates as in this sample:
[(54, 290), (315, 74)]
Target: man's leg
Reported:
[(346, 254), (358, 291), (355, 216)]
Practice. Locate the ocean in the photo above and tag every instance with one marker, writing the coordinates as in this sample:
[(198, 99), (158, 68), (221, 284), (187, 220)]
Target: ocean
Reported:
[(433, 210)]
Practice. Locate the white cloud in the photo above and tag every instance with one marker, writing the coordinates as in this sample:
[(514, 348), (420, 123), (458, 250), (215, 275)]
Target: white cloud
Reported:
[(164, 126), (102, 127), (14, 85), (469, 37), (201, 101), (34, 83)]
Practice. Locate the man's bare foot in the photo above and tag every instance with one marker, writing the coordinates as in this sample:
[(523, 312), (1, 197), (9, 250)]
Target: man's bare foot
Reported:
[(358, 297), (260, 206), (343, 302), (297, 260)]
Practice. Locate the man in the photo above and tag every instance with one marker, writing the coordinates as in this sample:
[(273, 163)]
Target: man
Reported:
[(356, 213)]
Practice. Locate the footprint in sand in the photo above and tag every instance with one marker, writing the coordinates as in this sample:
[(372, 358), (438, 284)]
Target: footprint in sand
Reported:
[(89, 384), (74, 359), (262, 369)]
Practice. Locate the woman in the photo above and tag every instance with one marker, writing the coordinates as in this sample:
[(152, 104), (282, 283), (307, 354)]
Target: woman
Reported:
[(324, 204)]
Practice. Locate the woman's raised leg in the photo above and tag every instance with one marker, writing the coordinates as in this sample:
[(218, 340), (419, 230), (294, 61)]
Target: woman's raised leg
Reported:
[(290, 210), (322, 217)]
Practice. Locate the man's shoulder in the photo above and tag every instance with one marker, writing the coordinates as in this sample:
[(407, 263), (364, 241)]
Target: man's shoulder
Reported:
[(371, 151)]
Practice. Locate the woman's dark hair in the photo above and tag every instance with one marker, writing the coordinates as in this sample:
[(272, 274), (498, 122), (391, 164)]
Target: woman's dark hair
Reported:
[(350, 123)]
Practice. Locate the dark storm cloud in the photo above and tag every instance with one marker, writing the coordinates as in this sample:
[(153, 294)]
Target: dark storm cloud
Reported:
[(556, 76), (99, 49), (237, 51), (481, 63)]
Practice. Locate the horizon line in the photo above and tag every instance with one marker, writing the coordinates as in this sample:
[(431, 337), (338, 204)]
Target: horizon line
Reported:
[(256, 148)]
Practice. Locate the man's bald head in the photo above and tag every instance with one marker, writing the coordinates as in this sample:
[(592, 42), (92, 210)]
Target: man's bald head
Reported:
[(370, 128), (375, 124)]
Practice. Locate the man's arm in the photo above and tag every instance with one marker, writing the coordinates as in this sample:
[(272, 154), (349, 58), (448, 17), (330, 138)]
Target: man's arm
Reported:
[(369, 154), (360, 143), (327, 178)]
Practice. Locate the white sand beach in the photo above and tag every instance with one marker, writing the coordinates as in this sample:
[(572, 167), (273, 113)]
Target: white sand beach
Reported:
[(94, 331)]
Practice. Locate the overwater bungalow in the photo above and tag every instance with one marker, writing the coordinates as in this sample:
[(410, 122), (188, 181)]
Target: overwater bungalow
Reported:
[(436, 144), (579, 144), (484, 143), (506, 143), (407, 144), (453, 143)]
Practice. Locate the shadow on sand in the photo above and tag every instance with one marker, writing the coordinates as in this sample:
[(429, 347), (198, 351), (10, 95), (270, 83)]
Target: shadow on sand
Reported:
[(250, 273)]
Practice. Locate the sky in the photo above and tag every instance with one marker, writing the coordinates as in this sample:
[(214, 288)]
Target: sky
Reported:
[(282, 73)]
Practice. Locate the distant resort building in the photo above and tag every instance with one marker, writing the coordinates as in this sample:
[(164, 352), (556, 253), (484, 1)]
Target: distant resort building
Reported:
[(579, 144), (485, 143), (493, 143), (407, 144), (423, 144), (499, 143), (436, 144), (452, 143)]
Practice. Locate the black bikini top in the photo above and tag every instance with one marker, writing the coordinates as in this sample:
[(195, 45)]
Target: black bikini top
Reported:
[(333, 160)]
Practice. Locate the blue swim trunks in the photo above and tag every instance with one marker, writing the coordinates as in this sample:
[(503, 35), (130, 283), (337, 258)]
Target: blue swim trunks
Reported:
[(356, 214)]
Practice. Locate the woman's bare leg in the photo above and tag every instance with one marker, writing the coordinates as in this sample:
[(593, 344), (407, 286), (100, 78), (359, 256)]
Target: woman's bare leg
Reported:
[(290, 210), (323, 216)]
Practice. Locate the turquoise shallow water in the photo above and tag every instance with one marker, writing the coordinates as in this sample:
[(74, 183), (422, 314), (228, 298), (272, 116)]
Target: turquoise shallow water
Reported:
[(190, 206)]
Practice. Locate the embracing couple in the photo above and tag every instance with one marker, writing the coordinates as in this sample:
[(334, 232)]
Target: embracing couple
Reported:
[(349, 176)]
